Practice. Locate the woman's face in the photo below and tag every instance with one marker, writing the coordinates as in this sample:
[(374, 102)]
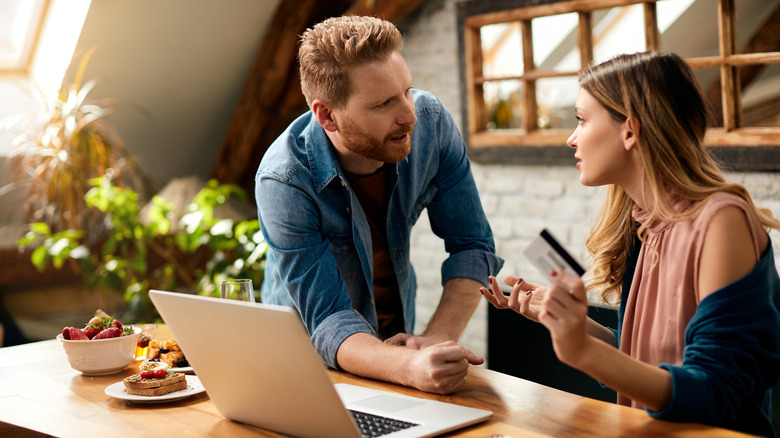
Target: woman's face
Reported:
[(603, 145)]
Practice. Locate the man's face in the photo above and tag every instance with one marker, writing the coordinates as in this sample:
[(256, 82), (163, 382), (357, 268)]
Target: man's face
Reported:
[(377, 121)]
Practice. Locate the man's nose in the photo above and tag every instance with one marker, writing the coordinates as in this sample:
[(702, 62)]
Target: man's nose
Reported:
[(407, 116)]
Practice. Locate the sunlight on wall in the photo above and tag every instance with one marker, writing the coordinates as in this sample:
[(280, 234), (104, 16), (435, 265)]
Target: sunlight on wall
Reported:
[(59, 36)]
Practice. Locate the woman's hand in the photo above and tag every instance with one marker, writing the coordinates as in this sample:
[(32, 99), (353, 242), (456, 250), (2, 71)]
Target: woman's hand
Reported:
[(525, 298), (565, 314)]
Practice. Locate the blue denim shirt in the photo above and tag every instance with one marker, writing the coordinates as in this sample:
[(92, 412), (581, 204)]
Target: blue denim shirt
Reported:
[(320, 259)]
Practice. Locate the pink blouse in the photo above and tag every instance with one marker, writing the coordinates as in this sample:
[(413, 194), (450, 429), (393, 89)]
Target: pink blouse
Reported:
[(664, 292)]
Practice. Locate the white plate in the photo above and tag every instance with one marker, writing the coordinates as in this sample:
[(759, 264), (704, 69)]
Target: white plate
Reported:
[(185, 370), (117, 390)]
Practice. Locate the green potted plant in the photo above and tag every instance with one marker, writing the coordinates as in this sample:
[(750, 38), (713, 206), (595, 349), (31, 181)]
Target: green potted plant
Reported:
[(193, 253), (59, 148)]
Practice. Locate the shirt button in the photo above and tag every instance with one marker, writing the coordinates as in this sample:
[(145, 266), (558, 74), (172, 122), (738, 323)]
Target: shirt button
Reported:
[(347, 209), (346, 247), (419, 206)]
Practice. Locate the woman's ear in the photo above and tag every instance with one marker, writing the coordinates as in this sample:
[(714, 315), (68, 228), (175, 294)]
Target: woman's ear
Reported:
[(630, 133), (324, 115)]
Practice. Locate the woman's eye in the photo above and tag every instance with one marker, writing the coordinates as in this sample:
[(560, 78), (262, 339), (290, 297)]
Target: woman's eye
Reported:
[(579, 119)]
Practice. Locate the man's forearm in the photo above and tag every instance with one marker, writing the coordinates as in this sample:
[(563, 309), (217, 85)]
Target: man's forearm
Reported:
[(364, 355), (459, 299)]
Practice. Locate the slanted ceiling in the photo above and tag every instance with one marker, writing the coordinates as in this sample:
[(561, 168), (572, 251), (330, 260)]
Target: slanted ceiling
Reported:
[(272, 96)]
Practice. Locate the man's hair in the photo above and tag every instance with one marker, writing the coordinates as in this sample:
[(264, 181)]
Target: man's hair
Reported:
[(328, 50)]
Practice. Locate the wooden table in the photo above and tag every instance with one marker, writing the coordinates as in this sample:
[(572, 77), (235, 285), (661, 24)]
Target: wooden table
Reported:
[(41, 395)]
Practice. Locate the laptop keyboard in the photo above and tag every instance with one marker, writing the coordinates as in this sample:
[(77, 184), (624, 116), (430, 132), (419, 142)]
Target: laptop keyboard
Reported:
[(373, 425)]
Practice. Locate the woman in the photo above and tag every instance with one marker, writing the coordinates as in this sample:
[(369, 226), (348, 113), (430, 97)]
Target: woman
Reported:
[(686, 253)]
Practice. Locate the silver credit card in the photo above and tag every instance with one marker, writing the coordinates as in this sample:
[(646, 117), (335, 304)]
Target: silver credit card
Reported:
[(547, 254)]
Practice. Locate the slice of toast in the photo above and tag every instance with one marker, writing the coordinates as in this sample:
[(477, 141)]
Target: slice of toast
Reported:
[(162, 390), (135, 384)]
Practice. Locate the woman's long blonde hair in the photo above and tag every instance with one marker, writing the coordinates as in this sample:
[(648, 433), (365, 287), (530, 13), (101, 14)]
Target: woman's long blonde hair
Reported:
[(659, 92)]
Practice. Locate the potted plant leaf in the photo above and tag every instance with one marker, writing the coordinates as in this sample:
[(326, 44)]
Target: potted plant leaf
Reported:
[(59, 148), (193, 253)]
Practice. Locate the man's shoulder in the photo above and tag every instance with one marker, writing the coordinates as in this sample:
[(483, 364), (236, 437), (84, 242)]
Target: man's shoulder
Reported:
[(289, 148), (300, 155), (425, 102)]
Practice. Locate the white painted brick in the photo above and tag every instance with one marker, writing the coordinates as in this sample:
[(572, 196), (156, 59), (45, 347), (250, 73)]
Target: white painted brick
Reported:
[(518, 200)]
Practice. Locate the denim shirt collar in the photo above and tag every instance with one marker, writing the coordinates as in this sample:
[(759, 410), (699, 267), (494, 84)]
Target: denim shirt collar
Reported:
[(322, 157)]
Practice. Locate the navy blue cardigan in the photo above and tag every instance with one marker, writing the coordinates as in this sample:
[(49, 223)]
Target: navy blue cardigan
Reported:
[(731, 359)]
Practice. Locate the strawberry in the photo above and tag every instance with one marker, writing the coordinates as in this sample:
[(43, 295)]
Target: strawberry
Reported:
[(66, 333), (92, 331), (117, 324), (77, 334), (111, 332)]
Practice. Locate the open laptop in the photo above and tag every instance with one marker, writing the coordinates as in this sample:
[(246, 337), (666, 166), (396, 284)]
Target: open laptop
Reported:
[(258, 366)]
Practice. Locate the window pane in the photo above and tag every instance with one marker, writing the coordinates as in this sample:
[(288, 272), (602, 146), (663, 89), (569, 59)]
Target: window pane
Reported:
[(755, 32), (555, 99), (503, 104), (760, 95), (618, 30), (18, 25), (502, 50), (709, 79), (676, 19), (555, 42)]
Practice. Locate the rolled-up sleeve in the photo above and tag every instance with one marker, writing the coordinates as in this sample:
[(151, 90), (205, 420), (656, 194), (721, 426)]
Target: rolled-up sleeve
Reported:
[(305, 265), (456, 212)]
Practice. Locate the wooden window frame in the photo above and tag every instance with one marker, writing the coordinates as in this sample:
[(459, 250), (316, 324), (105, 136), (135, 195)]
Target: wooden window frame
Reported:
[(738, 148)]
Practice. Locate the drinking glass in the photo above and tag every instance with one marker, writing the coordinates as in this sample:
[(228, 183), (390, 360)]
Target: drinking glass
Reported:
[(239, 289), (147, 334)]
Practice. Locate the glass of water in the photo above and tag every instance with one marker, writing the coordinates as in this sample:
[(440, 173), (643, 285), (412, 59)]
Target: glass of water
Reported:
[(238, 289)]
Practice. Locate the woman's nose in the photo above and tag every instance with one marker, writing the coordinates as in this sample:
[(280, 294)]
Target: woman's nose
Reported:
[(572, 139)]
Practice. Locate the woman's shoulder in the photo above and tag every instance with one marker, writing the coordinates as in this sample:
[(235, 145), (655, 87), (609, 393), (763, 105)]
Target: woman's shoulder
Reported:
[(724, 203), (722, 200)]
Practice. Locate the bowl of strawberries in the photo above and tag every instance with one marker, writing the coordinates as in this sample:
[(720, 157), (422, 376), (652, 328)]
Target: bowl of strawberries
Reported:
[(103, 346)]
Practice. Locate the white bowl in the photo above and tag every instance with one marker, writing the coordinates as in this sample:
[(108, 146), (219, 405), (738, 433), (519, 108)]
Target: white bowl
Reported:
[(102, 356)]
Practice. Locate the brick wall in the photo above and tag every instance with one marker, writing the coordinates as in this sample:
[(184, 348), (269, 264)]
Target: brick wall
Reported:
[(518, 200)]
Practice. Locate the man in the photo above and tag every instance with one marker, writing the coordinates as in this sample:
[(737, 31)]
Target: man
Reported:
[(338, 193)]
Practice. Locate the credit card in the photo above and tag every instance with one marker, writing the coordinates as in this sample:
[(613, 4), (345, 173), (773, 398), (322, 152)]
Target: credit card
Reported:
[(547, 254)]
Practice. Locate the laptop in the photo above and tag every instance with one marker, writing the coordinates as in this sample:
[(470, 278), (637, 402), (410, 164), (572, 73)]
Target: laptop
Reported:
[(259, 367)]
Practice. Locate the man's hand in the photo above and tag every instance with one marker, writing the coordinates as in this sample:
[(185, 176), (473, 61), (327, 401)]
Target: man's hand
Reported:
[(412, 341), (421, 342), (441, 368)]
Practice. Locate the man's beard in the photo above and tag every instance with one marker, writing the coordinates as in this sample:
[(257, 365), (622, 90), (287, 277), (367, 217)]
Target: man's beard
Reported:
[(360, 142)]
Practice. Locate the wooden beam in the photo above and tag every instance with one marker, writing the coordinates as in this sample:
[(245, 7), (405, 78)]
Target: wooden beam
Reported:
[(585, 38), (272, 66), (765, 39), (729, 93), (652, 36), (530, 110), (272, 97), (393, 11), (477, 116)]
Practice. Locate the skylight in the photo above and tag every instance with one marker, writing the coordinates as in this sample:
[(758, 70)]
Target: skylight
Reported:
[(19, 23)]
